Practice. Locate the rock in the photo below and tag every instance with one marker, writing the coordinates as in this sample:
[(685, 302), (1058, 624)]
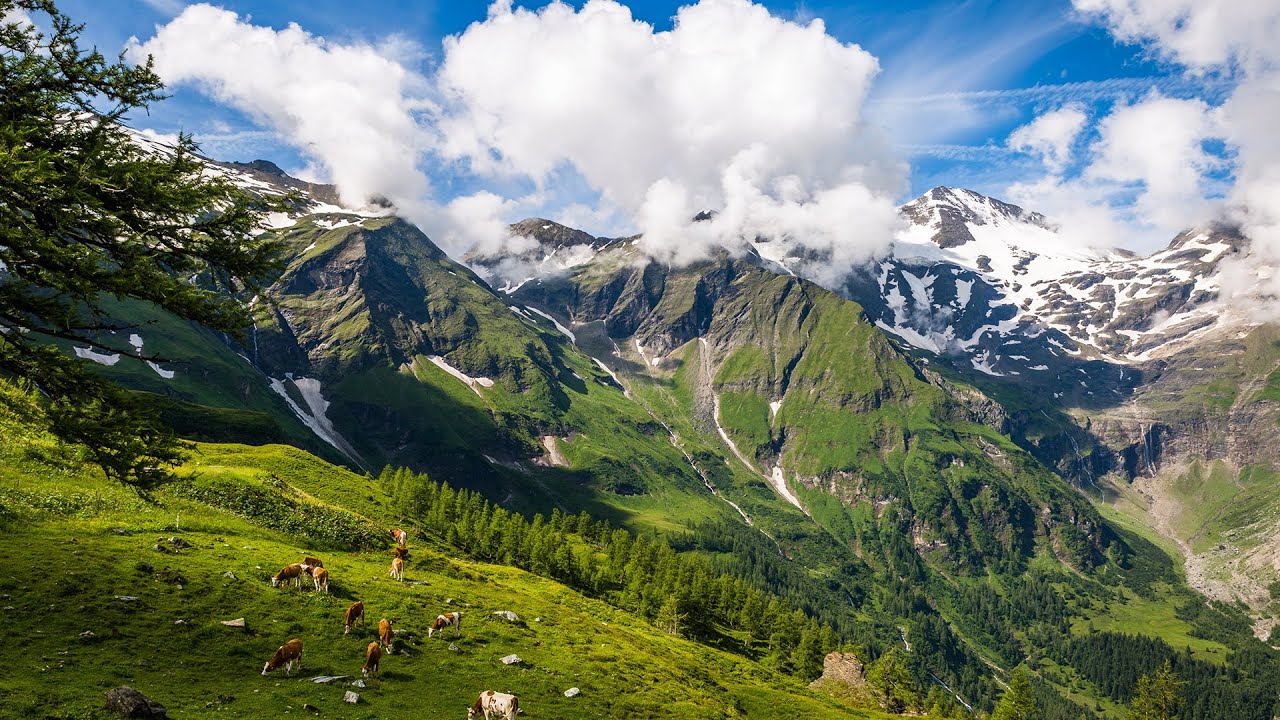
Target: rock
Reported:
[(179, 542), (572, 692), (120, 531), (511, 659), (230, 575), (88, 635), (358, 683), (507, 615), (161, 548), (132, 704), (537, 619), (311, 708), (450, 601), (126, 598), (179, 622), (842, 671), (326, 679), (350, 697), (237, 623), (454, 648)]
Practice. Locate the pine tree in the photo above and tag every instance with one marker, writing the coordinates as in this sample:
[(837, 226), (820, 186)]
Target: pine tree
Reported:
[(86, 214), (1018, 702), (889, 675), (1157, 697)]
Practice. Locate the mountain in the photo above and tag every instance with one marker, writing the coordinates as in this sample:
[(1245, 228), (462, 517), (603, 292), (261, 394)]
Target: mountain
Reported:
[(1137, 377), (754, 418)]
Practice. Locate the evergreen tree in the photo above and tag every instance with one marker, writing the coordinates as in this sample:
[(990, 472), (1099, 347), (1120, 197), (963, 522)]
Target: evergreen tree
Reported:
[(1018, 702), (86, 214), (889, 675), (1158, 696)]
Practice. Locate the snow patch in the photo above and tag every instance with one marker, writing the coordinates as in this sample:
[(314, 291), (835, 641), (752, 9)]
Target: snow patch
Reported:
[(564, 330), (471, 382), (89, 353), (315, 415), (773, 408), (166, 374)]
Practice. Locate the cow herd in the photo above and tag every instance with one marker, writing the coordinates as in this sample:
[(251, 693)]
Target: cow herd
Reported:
[(489, 704)]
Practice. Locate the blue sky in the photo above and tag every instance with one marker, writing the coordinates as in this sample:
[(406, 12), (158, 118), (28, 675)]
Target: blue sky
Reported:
[(955, 79)]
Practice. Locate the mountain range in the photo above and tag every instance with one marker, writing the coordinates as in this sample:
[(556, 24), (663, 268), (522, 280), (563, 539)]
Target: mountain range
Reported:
[(982, 415)]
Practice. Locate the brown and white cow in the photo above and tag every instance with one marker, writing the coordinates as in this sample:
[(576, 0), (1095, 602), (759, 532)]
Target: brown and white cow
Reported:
[(397, 568), (401, 552), (443, 621), (320, 577), (312, 562), (495, 704), (401, 537), (288, 654), (372, 655), (385, 636), (288, 572), (354, 613)]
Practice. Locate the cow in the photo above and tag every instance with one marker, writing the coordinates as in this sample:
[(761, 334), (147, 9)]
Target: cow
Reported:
[(372, 655), (288, 572), (384, 633), (495, 704), (354, 613), (444, 621), (320, 577), (397, 568), (401, 552), (288, 654), (401, 537), (312, 562)]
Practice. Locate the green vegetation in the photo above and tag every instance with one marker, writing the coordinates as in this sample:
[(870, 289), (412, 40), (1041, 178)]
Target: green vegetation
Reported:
[(86, 214)]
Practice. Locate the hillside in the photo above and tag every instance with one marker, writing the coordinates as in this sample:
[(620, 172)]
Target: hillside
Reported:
[(98, 559)]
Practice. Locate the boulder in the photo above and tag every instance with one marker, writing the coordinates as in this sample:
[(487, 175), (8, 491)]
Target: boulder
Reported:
[(507, 615), (326, 679), (229, 575), (842, 675), (358, 683), (88, 635), (454, 648), (350, 697), (237, 623), (179, 542), (511, 659), (130, 703), (572, 692)]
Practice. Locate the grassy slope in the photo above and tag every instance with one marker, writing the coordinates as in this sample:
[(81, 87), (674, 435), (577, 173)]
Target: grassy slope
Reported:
[(74, 561)]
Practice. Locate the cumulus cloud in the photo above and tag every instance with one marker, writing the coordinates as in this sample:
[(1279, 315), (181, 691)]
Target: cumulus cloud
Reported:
[(1234, 38), (350, 108), (733, 110), (1051, 136)]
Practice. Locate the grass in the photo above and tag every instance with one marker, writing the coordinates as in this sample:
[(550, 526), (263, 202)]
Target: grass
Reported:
[(77, 544), (1129, 613)]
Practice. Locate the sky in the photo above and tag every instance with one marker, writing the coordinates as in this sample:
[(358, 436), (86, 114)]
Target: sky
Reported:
[(1125, 121)]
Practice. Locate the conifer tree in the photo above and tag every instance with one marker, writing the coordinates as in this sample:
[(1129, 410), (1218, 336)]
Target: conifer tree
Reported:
[(1157, 697), (1018, 702), (87, 214)]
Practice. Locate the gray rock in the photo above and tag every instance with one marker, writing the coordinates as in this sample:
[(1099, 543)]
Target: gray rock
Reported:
[(179, 542), (311, 708), (572, 692), (88, 635), (450, 601), (179, 622), (511, 659), (507, 615), (454, 648), (237, 623), (350, 697), (126, 598), (358, 683), (326, 679), (132, 704), (230, 575)]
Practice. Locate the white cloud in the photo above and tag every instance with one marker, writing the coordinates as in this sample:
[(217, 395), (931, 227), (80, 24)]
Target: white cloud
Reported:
[(1051, 136), (1237, 39), (349, 108), (733, 110)]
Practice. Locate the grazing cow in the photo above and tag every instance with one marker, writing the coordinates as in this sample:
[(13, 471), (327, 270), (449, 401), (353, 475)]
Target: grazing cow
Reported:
[(401, 537), (401, 552), (372, 655), (288, 654), (384, 633), (397, 568), (495, 704), (312, 562), (354, 613), (288, 572), (444, 621), (320, 577)]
